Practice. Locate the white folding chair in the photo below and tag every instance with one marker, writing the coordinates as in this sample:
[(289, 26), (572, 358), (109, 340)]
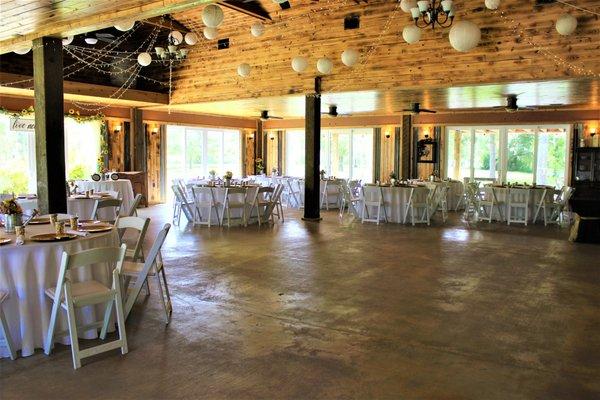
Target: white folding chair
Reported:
[(349, 201), (106, 203), (275, 207), (10, 345), (153, 266), (140, 226), (331, 189), (136, 202), (437, 201), (553, 204), (490, 199), (261, 202), (372, 196), (204, 198), (69, 295), (293, 193), (232, 201), (182, 203), (419, 202), (518, 206)]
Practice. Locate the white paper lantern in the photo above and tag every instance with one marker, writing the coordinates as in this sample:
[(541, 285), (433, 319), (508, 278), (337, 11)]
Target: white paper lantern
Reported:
[(144, 59), (212, 15), (191, 38), (492, 4), (350, 57), (324, 66), (464, 36), (406, 5), (279, 1), (257, 29), (566, 24), (299, 64), (210, 33), (411, 34), (91, 40), (243, 70), (176, 37), (23, 50), (67, 40), (124, 25)]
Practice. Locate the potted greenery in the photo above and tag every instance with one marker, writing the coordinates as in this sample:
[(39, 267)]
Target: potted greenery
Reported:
[(212, 174), (260, 166), (322, 173), (13, 214), (393, 178), (228, 175)]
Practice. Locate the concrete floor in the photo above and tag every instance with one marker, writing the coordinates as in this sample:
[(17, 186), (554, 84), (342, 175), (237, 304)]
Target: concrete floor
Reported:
[(349, 311)]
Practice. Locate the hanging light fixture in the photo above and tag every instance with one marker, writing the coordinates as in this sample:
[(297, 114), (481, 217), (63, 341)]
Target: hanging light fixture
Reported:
[(172, 52), (432, 13)]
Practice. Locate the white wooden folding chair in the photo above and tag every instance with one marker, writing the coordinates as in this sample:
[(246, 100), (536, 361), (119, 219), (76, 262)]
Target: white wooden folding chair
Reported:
[(106, 203), (274, 207), (182, 203), (10, 345), (489, 199), (140, 226), (261, 202), (349, 201), (517, 206), (437, 201), (69, 295), (136, 203), (419, 202), (372, 196), (552, 204), (152, 267), (205, 199), (293, 193), (232, 201), (331, 190)]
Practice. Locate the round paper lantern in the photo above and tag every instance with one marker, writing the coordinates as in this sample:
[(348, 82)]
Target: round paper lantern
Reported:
[(191, 38), (144, 59), (566, 24), (350, 57), (324, 66), (124, 25), (299, 64), (23, 50), (67, 40), (279, 1), (176, 37), (91, 40), (411, 34), (406, 5), (212, 16), (492, 4), (464, 36), (257, 29), (243, 70), (210, 33)]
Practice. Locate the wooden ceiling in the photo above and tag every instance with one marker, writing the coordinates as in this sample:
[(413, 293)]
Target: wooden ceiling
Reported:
[(315, 29)]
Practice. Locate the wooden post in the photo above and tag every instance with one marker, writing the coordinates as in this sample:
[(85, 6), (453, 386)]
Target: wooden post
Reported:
[(405, 170), (140, 145), (49, 125), (312, 178)]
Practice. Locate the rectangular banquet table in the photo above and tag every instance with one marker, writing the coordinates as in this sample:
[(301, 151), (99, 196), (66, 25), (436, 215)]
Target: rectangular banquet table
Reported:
[(122, 186), (27, 271)]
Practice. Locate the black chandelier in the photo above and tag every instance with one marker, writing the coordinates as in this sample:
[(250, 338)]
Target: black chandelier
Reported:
[(431, 12)]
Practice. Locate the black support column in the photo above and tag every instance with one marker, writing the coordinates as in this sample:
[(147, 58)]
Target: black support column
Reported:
[(49, 125), (312, 178)]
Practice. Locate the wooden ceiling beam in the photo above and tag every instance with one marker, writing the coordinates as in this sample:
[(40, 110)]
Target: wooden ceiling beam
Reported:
[(254, 10), (92, 18)]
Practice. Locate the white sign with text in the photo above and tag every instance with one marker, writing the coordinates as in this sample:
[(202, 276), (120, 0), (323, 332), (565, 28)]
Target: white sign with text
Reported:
[(22, 124)]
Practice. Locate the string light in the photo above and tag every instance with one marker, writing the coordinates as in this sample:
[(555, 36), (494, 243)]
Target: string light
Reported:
[(578, 8)]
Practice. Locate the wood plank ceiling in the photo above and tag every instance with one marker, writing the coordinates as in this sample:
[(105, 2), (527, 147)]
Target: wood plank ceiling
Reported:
[(315, 29)]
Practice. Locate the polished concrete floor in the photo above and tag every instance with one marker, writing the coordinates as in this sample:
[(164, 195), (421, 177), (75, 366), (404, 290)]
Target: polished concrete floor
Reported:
[(340, 310)]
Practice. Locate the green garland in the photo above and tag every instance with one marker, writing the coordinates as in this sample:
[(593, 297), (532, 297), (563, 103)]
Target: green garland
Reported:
[(71, 114), (103, 147)]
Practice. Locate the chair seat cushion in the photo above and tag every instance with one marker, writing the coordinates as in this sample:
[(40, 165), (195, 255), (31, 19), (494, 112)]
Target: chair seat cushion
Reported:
[(81, 290)]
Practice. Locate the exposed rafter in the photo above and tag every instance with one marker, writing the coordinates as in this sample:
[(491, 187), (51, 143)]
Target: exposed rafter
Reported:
[(251, 8)]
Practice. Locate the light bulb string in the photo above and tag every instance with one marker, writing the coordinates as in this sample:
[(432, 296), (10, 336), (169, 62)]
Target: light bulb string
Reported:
[(585, 10)]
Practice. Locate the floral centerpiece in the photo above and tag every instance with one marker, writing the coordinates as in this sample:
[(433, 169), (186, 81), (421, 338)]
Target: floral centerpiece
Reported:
[(322, 173), (12, 214), (260, 166), (274, 171), (393, 178), (212, 174), (228, 175)]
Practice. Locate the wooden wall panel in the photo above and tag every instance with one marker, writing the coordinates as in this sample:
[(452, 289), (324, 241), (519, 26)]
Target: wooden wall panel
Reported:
[(424, 170), (387, 152), (249, 137), (153, 164), (272, 141), (116, 145)]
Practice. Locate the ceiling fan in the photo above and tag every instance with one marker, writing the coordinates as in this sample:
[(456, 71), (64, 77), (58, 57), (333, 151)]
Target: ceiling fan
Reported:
[(511, 104), (415, 109), (333, 111), (264, 116)]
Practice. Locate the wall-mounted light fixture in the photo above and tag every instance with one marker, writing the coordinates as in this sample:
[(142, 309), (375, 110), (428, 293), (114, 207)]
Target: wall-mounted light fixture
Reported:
[(117, 129), (387, 134), (155, 129), (251, 136), (272, 137)]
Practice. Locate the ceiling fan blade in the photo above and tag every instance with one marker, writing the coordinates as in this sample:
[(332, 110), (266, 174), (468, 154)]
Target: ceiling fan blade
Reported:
[(272, 117), (427, 111)]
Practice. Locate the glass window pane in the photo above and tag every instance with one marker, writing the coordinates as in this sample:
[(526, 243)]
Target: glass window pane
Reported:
[(551, 156), (17, 166), (520, 144), (194, 144), (232, 153), (81, 135), (325, 152), (294, 152), (362, 155), (340, 154), (213, 153), (487, 153), (458, 151)]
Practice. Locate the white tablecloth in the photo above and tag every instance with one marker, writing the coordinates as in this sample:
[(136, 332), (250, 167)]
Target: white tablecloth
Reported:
[(123, 186), (395, 199), (535, 195), (27, 271), (236, 213), (455, 192), (84, 208)]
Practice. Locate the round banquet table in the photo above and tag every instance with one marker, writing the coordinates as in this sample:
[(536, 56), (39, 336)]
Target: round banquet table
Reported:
[(123, 186), (27, 271), (396, 198), (83, 208), (219, 196), (535, 196), (455, 191)]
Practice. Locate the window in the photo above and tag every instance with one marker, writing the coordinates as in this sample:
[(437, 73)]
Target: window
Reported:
[(530, 154), (18, 170), (345, 153), (194, 152)]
